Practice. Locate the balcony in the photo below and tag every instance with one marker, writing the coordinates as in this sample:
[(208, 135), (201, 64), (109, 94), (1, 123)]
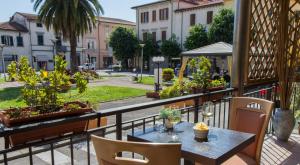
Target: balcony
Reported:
[(77, 148)]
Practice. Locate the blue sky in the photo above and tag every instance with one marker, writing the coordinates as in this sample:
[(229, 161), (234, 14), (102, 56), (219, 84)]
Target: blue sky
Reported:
[(112, 8)]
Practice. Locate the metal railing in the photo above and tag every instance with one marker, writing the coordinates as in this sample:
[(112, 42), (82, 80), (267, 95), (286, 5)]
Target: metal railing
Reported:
[(117, 127)]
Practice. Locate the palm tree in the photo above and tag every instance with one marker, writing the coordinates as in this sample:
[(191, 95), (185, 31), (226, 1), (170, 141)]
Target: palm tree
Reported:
[(71, 18)]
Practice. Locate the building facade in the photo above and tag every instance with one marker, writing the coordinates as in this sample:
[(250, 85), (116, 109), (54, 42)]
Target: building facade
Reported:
[(39, 44), (96, 44), (164, 18), (14, 37)]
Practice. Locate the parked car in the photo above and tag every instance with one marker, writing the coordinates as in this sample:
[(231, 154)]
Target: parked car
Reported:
[(87, 66), (115, 67)]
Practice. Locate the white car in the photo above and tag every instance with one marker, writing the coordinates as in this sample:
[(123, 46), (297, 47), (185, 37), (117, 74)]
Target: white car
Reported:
[(86, 66)]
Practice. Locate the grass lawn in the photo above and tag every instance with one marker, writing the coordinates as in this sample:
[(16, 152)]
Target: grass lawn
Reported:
[(2, 80), (147, 80), (11, 97)]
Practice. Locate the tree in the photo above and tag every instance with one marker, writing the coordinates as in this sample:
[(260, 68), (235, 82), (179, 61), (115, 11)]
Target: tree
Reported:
[(197, 37), (71, 18), (222, 27), (170, 48), (151, 47), (124, 44)]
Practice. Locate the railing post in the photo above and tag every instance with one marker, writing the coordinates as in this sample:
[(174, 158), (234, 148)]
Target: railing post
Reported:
[(119, 126), (196, 110)]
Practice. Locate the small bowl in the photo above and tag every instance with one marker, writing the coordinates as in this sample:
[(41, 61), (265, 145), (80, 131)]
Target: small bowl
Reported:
[(201, 134)]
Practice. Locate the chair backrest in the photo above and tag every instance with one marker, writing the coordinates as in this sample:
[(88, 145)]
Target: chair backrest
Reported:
[(251, 115), (155, 154)]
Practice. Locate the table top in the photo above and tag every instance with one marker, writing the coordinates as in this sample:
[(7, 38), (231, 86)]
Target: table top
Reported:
[(221, 143)]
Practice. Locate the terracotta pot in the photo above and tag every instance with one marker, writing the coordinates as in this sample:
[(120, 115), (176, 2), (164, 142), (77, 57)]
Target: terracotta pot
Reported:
[(8, 121), (49, 132), (181, 104)]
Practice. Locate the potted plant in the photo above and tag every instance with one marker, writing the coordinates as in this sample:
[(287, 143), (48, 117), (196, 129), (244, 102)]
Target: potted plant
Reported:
[(178, 89), (171, 116), (168, 74), (201, 82), (286, 60), (201, 74), (41, 94)]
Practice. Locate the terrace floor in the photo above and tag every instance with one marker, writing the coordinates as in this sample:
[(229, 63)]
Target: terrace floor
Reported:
[(274, 152)]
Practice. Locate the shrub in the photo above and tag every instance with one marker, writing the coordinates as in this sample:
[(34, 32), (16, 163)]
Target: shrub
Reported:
[(168, 74)]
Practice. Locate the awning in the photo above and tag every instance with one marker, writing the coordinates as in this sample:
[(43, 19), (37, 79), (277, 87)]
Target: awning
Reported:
[(216, 49), (43, 58)]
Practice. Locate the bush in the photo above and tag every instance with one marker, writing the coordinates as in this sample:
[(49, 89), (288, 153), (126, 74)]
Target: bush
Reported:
[(168, 74)]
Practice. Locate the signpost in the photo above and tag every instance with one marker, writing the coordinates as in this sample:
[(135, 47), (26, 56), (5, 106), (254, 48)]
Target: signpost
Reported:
[(158, 72)]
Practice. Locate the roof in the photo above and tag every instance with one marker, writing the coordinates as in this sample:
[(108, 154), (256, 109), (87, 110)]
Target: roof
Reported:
[(152, 3), (13, 26), (201, 5), (29, 16), (116, 20), (216, 49)]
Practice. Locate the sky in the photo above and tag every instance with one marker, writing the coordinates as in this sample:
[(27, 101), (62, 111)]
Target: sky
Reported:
[(112, 8)]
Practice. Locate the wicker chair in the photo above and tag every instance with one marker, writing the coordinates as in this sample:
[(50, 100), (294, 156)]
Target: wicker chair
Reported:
[(155, 154)]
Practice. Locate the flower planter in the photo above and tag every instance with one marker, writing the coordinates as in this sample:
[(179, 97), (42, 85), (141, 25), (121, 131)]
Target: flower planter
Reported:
[(154, 95), (48, 132), (188, 103)]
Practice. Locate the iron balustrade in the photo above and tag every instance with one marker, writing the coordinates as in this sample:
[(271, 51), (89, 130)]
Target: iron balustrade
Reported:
[(191, 114)]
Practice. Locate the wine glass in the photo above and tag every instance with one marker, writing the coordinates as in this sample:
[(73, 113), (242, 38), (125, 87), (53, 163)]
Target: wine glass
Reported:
[(176, 118), (208, 111)]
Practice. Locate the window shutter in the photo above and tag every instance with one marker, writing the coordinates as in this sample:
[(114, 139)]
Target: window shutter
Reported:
[(209, 17), (11, 41), (3, 40), (167, 13), (192, 19)]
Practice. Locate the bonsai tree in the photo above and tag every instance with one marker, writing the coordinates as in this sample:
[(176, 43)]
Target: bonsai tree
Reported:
[(221, 28), (124, 44), (197, 37)]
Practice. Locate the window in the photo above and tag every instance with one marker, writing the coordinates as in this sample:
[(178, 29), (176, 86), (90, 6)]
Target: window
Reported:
[(145, 17), (106, 46), (209, 17), (145, 36), (7, 40), (154, 36), (163, 35), (38, 24), (40, 39), (164, 14), (153, 15), (192, 19), (20, 41)]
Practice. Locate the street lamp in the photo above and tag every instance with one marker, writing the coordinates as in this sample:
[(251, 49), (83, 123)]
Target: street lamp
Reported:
[(142, 46), (158, 60), (3, 63), (54, 41)]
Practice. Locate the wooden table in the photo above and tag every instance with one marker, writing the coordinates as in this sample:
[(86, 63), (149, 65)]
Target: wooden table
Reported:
[(221, 144)]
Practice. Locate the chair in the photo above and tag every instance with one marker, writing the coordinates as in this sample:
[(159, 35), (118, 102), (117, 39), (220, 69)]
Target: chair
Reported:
[(250, 115), (155, 154)]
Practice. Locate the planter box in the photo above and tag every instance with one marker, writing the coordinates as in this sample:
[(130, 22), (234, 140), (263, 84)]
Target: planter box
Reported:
[(154, 95), (8, 122), (188, 103), (48, 132)]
